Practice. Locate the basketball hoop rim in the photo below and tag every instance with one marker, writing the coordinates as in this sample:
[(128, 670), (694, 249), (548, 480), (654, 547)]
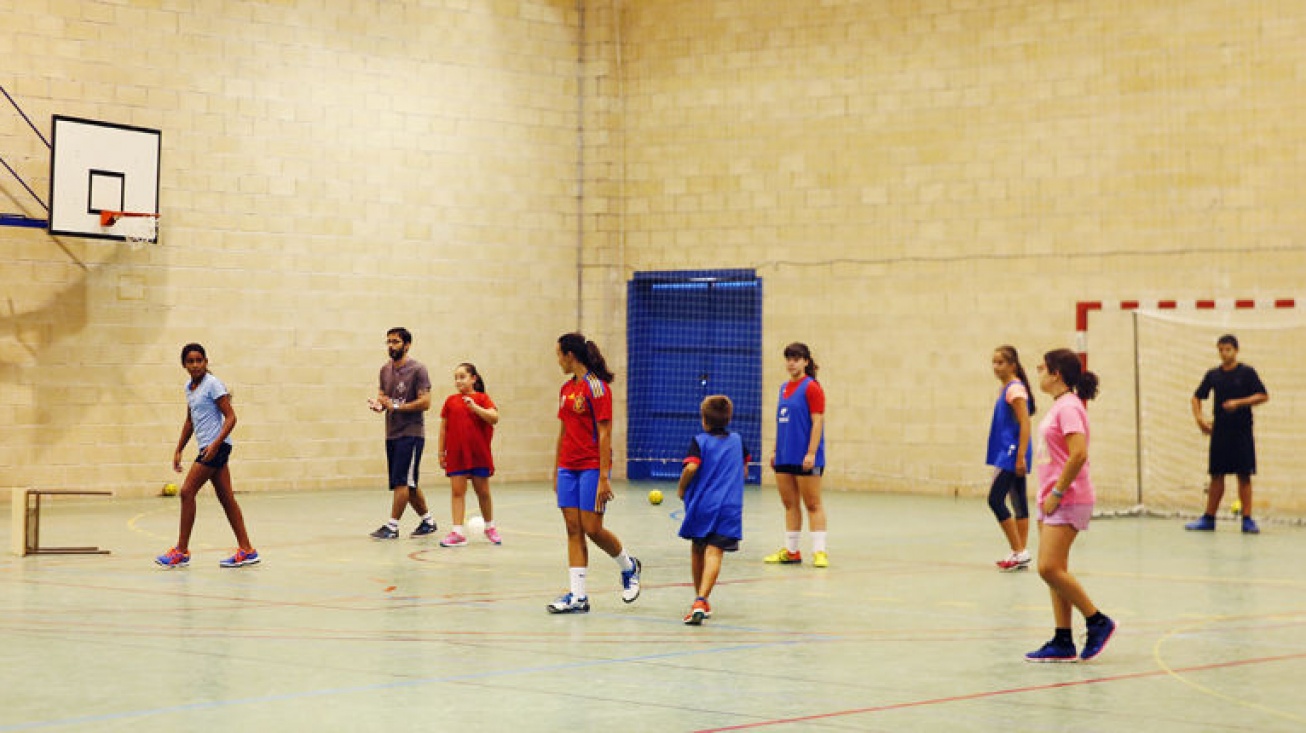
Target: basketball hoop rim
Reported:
[(108, 217)]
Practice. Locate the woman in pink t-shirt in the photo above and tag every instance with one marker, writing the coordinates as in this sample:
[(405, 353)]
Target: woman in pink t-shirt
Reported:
[(1065, 504)]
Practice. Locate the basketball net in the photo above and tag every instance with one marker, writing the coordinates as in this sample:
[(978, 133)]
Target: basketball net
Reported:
[(136, 228)]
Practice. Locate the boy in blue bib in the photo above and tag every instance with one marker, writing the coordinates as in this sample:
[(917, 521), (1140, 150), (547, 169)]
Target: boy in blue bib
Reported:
[(712, 487)]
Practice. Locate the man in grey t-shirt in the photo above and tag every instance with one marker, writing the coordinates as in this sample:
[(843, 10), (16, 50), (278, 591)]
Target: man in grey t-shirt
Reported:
[(404, 395)]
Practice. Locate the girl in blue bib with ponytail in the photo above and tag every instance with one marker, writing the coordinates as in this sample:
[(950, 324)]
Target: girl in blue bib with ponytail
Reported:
[(799, 457)]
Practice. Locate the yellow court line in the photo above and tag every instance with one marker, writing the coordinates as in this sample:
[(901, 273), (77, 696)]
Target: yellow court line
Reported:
[(1156, 654), (131, 524)]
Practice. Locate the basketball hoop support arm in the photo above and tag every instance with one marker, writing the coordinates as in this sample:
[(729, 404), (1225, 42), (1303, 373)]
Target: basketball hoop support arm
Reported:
[(19, 220)]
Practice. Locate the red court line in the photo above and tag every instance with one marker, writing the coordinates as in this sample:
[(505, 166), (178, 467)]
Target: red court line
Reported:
[(1009, 691)]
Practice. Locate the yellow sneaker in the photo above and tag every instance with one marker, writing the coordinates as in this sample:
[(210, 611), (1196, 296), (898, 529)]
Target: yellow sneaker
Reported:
[(821, 560), (783, 556)]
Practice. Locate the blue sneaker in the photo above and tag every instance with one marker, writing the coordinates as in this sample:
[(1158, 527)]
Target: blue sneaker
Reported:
[(1054, 651), (569, 604), (173, 558), (630, 581), (384, 532), (423, 529), (1249, 526), (1205, 524), (1098, 635), (240, 559)]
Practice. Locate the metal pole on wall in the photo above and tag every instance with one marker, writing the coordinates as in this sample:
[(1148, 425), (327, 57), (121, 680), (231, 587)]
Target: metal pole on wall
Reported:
[(580, 164), (1138, 414)]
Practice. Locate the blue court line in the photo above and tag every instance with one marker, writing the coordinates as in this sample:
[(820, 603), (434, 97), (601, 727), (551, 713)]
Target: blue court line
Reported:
[(199, 706)]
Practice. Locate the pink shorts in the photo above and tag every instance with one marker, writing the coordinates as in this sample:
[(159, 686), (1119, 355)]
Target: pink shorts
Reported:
[(1076, 515)]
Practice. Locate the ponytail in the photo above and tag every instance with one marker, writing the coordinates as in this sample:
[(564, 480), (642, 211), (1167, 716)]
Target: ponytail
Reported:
[(587, 353), (1086, 387), (596, 363)]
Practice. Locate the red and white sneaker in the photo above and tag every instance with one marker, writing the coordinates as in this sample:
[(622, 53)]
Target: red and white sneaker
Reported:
[(453, 539), (699, 611), (1014, 562), (492, 534)]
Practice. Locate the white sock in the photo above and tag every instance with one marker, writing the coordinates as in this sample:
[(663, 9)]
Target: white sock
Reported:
[(623, 561), (428, 518), (577, 582), (458, 529), (791, 540), (489, 524), (392, 524), (818, 541)]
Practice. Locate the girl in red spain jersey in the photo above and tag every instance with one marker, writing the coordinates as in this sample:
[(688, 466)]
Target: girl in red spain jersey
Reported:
[(466, 428), (799, 457), (581, 475)]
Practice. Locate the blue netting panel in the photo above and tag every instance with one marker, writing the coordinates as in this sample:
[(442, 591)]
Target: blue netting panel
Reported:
[(691, 334)]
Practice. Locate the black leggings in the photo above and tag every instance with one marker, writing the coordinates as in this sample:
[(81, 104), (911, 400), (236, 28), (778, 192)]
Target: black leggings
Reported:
[(1005, 484)]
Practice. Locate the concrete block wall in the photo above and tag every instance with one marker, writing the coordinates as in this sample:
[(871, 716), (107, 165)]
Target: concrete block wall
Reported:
[(917, 182), (920, 182), (329, 170)]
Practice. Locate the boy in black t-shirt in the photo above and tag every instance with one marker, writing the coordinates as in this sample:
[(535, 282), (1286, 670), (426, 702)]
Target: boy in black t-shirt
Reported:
[(1237, 389)]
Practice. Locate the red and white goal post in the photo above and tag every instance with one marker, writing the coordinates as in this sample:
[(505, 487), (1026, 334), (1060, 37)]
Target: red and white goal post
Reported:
[(1147, 454)]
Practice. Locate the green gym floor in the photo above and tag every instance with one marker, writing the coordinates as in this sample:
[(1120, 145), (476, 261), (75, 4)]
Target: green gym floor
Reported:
[(910, 629)]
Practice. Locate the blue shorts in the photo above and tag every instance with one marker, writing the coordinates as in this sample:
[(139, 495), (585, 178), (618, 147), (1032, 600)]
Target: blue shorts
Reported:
[(404, 457), (219, 460), (579, 489), (475, 472)]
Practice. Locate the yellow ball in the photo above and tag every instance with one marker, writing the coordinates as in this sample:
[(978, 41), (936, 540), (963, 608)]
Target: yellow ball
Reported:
[(1236, 507), (169, 489), (655, 497)]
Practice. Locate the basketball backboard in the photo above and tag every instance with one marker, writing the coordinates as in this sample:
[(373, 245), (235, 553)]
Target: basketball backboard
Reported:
[(100, 166)]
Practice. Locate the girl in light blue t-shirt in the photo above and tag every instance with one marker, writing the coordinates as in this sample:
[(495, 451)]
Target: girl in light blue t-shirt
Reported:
[(210, 418)]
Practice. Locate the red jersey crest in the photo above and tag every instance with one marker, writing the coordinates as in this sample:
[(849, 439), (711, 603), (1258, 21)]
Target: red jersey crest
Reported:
[(582, 405)]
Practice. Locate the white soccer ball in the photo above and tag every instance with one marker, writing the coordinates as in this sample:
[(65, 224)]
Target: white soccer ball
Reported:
[(476, 525)]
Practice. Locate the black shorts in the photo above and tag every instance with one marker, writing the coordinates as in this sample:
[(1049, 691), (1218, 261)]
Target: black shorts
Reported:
[(403, 455), (1232, 451), (220, 460), (727, 544), (799, 470)]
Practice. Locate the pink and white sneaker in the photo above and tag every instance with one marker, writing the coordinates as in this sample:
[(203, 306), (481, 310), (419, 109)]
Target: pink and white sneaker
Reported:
[(453, 539), (492, 534)]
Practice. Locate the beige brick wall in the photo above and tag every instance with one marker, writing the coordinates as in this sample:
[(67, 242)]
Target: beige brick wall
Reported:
[(917, 182), (329, 170)]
